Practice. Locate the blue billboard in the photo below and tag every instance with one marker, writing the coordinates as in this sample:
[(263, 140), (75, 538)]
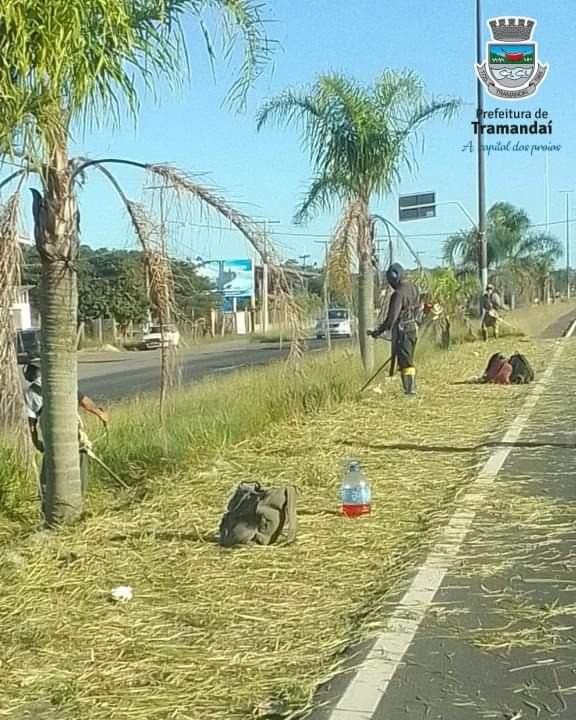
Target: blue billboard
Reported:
[(232, 279)]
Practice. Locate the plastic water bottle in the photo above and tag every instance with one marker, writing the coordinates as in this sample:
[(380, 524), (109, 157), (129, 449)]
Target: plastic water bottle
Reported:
[(355, 492)]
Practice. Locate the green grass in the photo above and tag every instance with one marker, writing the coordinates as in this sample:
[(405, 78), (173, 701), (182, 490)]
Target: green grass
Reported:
[(203, 419)]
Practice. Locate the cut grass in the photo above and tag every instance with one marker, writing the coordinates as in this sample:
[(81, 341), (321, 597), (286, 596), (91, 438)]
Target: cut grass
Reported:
[(213, 634)]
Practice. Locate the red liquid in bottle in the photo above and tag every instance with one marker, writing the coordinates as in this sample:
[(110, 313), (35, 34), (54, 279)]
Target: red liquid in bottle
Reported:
[(353, 511)]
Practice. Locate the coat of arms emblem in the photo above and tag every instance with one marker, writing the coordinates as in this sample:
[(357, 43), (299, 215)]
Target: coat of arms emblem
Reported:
[(511, 70)]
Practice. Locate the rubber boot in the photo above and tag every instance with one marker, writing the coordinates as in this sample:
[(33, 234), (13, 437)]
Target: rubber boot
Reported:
[(404, 379), (410, 387), (409, 384)]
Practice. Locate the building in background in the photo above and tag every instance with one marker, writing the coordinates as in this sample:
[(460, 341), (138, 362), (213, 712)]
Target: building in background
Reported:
[(21, 309)]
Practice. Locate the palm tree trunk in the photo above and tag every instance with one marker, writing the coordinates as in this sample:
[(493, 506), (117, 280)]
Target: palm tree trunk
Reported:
[(57, 240), (365, 286)]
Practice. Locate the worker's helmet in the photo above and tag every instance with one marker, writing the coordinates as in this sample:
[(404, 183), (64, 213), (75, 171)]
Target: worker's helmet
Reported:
[(394, 274)]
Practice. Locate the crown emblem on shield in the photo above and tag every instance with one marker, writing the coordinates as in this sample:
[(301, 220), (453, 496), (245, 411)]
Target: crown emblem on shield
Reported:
[(511, 70)]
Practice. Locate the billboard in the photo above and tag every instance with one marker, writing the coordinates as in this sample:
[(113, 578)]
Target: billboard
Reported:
[(232, 278)]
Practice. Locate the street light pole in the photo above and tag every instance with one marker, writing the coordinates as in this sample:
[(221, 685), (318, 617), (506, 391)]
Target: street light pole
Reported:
[(265, 258), (567, 193), (325, 293), (480, 152), (401, 235), (567, 245), (265, 282)]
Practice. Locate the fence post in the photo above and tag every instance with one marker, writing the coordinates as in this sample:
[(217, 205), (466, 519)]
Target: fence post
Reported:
[(212, 322), (80, 336)]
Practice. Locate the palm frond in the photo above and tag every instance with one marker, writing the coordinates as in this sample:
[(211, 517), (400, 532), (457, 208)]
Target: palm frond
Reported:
[(70, 60), (360, 136), (244, 24), (11, 402), (186, 187), (460, 249), (321, 196), (343, 250)]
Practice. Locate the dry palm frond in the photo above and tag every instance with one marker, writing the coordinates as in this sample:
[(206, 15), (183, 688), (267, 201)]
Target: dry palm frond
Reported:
[(343, 250), (16, 446), (185, 186), (160, 283), (11, 401)]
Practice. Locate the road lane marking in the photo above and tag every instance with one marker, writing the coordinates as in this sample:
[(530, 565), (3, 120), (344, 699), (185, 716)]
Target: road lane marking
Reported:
[(368, 686), (225, 369)]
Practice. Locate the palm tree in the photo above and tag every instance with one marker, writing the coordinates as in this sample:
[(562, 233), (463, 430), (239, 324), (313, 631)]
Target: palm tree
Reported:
[(515, 254), (69, 63), (359, 140)]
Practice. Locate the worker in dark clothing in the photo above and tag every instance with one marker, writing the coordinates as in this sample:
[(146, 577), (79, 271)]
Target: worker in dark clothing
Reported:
[(402, 323)]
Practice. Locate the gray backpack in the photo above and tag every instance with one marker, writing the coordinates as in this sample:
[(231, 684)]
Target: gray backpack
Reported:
[(259, 515)]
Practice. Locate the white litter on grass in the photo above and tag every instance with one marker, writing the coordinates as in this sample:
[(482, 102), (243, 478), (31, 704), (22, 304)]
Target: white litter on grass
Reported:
[(122, 593), (377, 389)]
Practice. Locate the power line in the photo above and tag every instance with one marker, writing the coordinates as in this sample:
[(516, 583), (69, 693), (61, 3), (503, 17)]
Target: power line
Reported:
[(207, 226)]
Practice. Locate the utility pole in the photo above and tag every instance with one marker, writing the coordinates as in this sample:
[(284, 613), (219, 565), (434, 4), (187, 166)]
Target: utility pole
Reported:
[(304, 258), (567, 193), (265, 270), (265, 283), (325, 293), (547, 189), (483, 249)]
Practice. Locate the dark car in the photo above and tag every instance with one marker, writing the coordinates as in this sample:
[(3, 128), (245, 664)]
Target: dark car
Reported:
[(27, 346)]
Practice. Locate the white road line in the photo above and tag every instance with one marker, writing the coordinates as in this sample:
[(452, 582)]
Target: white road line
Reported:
[(370, 683), (228, 368)]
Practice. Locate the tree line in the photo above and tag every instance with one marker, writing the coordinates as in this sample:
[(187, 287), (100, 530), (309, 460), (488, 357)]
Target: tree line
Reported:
[(112, 284)]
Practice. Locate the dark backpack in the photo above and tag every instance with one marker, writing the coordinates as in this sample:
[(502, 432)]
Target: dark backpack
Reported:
[(258, 515), (493, 368), (522, 372)]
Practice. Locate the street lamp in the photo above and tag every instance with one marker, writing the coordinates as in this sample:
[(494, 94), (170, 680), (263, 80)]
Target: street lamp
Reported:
[(400, 234)]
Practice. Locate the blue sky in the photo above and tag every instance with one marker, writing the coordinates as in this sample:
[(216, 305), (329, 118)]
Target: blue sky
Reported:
[(267, 172)]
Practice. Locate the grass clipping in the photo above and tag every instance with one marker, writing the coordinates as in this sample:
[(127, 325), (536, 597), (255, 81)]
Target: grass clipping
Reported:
[(217, 635)]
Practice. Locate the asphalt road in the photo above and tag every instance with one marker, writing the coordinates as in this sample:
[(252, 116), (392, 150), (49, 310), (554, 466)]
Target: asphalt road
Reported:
[(116, 375)]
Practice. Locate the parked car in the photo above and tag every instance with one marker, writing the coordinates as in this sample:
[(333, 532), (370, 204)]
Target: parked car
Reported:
[(340, 323), (152, 339), (27, 346)]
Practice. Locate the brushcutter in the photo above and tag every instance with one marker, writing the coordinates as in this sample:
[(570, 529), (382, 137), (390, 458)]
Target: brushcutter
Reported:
[(103, 465), (508, 324), (86, 446), (373, 377)]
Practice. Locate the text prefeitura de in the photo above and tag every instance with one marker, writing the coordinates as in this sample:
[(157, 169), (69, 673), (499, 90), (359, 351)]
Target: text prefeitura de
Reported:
[(538, 127)]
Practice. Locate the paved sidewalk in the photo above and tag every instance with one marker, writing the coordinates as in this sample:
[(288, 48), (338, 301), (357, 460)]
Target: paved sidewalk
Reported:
[(498, 641)]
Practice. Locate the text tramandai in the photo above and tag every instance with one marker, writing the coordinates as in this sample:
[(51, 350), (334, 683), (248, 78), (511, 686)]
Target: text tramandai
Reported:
[(537, 127)]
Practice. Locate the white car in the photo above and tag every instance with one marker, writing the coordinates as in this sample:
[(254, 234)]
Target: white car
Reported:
[(340, 324), (152, 339)]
